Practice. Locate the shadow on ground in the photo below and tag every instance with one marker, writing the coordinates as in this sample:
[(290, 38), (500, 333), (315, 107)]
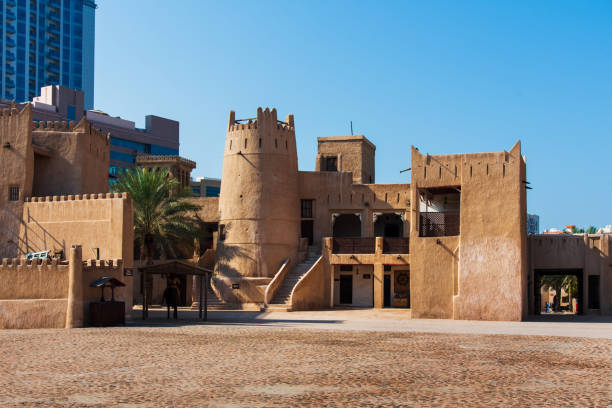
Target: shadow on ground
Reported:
[(568, 318), (187, 317)]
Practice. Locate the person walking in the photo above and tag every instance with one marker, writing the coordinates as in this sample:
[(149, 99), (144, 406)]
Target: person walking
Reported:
[(172, 294)]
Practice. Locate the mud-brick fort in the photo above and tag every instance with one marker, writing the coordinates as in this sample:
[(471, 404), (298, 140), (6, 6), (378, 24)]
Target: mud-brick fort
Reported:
[(54, 197), (451, 244)]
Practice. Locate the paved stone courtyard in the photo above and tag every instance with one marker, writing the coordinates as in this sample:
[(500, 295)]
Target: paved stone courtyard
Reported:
[(248, 365)]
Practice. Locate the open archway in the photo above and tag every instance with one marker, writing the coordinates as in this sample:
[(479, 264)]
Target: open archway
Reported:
[(347, 225), (389, 225)]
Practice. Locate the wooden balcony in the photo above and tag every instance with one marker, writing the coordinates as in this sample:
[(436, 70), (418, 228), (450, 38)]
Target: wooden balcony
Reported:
[(439, 224)]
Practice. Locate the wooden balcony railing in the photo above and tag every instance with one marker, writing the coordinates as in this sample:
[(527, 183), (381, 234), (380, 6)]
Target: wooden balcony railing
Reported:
[(354, 245), (396, 245), (439, 224)]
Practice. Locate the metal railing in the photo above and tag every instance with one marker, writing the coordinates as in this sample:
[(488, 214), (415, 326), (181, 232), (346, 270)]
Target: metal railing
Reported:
[(439, 224), (396, 245), (354, 245)]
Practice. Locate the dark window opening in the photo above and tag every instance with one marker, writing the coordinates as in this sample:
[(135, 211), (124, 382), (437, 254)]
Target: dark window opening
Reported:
[(346, 268), (221, 232), (307, 208), (331, 164), (594, 292), (347, 225), (13, 193)]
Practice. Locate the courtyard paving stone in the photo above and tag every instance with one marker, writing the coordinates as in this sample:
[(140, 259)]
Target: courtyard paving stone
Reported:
[(218, 364)]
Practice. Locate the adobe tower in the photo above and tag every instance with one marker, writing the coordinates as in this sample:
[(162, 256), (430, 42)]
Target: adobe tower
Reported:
[(259, 203)]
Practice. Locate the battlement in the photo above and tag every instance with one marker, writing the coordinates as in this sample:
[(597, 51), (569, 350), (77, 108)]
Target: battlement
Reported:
[(103, 263), (54, 262), (7, 112), (265, 118), (61, 126), (453, 169), (64, 126), (13, 262), (79, 197)]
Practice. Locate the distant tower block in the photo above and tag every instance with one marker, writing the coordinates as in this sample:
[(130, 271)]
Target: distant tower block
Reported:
[(259, 223)]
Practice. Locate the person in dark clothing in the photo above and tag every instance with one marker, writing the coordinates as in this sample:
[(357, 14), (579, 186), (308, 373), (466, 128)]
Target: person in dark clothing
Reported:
[(172, 294)]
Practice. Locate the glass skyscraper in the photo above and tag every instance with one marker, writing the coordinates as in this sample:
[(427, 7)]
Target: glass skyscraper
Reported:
[(46, 42)]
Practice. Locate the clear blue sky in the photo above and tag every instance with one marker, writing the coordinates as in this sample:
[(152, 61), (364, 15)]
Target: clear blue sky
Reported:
[(446, 76)]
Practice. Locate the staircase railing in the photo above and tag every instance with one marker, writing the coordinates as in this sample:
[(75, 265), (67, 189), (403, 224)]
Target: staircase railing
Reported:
[(308, 287), (276, 282)]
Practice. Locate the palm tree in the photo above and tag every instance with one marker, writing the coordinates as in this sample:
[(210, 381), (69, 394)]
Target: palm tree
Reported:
[(162, 219)]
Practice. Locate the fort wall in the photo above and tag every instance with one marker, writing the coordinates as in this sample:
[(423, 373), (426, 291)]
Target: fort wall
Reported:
[(37, 293), (485, 265), (101, 222), (335, 193), (16, 171), (209, 208), (589, 253), (77, 160)]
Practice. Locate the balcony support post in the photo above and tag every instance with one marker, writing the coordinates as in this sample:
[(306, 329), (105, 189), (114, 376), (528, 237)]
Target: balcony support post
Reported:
[(379, 275)]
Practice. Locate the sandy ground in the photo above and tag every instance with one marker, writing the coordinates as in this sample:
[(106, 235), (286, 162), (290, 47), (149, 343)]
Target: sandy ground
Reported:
[(247, 364)]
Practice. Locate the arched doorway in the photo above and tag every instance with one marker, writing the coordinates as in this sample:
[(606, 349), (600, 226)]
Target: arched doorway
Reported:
[(347, 225), (388, 225)]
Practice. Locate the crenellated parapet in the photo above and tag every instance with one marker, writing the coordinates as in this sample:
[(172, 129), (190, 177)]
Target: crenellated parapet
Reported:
[(458, 169), (78, 197), (53, 262), (61, 126), (266, 118), (8, 112), (42, 262), (65, 126), (103, 263)]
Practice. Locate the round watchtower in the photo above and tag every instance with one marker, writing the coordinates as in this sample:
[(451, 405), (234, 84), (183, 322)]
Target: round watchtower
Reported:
[(259, 203)]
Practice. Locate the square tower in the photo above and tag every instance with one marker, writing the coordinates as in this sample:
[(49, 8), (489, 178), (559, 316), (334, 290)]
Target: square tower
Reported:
[(353, 153)]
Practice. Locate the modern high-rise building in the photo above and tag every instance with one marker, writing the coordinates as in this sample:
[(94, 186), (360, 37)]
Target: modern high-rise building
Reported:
[(160, 137), (46, 42)]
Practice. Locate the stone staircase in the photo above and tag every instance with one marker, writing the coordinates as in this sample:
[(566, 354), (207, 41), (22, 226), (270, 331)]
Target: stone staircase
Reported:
[(281, 301)]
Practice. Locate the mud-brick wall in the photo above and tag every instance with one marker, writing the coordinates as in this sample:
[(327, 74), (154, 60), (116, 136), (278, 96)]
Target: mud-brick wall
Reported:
[(38, 279), (481, 274), (33, 294), (103, 221), (16, 170)]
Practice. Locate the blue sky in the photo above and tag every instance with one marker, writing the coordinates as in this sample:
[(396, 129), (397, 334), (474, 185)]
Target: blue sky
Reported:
[(445, 76)]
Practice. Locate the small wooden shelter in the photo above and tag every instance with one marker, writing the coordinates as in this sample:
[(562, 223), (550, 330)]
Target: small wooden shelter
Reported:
[(176, 267)]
